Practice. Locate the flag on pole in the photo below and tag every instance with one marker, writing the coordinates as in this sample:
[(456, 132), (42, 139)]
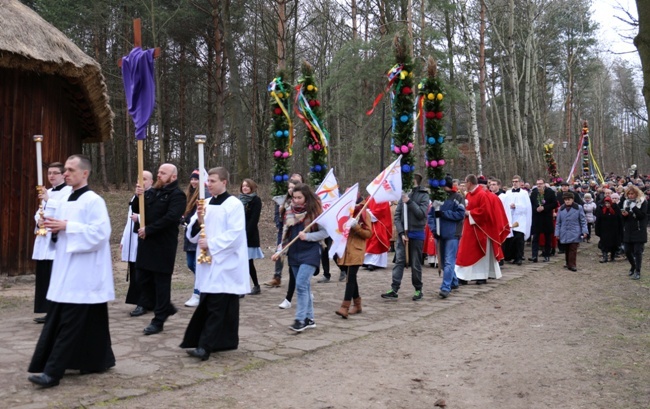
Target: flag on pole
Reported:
[(336, 220), (387, 186), (328, 191), (139, 88)]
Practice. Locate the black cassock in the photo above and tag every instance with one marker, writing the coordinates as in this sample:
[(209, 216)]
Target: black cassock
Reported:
[(215, 323)]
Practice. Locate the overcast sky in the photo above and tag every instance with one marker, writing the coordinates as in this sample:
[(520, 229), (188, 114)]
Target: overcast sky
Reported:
[(612, 29)]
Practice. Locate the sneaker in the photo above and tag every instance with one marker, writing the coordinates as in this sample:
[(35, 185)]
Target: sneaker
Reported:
[(309, 323), (324, 280), (343, 276), (443, 294), (193, 301), (285, 304), (298, 326), (390, 294), (417, 296)]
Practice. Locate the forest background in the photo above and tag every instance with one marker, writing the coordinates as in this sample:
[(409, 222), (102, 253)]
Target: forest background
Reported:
[(516, 73)]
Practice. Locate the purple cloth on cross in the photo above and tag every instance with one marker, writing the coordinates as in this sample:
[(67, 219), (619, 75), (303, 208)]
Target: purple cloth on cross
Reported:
[(139, 88)]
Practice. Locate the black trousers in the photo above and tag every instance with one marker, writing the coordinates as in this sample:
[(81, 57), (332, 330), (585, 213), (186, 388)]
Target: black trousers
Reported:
[(518, 245), (156, 290), (547, 230), (43, 275), (634, 254), (134, 292), (325, 258), (351, 286)]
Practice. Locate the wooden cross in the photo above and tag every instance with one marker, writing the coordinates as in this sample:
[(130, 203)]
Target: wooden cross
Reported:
[(137, 42)]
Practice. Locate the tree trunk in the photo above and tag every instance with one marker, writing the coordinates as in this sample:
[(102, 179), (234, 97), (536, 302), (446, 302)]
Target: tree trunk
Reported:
[(282, 34), (353, 10), (642, 43), (470, 91), (450, 60)]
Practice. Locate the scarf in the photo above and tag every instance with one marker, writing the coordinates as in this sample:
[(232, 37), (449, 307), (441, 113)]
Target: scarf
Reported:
[(609, 210), (292, 216), (246, 198)]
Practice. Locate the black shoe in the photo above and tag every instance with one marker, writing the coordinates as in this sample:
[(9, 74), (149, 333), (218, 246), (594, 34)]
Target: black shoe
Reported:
[(637, 275), (256, 290), (200, 353), (309, 323), (560, 252), (502, 263), (479, 282), (631, 272), (533, 259), (462, 282), (572, 269), (371, 268), (390, 294), (298, 326), (454, 287), (546, 259), (172, 310), (139, 310), (44, 380), (152, 329), (518, 262), (417, 296), (40, 320), (443, 294)]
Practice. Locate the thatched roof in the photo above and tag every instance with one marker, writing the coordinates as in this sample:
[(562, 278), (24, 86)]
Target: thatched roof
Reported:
[(27, 42)]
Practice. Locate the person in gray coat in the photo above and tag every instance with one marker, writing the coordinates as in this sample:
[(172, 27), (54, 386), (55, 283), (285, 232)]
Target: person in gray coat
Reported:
[(417, 204), (570, 228)]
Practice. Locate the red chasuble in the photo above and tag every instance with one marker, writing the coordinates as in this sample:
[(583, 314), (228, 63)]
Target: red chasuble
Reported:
[(490, 223), (382, 229)]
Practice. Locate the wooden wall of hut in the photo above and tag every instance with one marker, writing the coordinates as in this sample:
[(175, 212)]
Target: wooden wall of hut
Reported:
[(30, 104)]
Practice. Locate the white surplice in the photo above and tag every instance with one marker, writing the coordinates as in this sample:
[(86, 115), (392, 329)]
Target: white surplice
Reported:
[(43, 247), (522, 213), (82, 272), (225, 229), (129, 240)]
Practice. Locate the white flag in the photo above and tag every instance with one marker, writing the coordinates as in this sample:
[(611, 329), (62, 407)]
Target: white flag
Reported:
[(387, 186), (328, 191), (336, 220)]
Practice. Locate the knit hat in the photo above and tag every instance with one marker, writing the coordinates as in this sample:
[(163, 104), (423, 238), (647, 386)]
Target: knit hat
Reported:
[(613, 196), (449, 181), (195, 174)]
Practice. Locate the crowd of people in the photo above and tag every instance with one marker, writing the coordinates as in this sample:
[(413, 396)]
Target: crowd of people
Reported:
[(476, 229)]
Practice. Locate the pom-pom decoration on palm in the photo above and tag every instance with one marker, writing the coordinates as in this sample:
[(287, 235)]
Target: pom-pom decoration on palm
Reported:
[(430, 117), (280, 132), (307, 108), (586, 168), (551, 165), (400, 85)]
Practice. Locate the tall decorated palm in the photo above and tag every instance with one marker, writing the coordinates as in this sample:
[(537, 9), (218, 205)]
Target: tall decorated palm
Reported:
[(551, 165), (430, 114), (280, 132), (586, 168), (403, 98), (307, 108)]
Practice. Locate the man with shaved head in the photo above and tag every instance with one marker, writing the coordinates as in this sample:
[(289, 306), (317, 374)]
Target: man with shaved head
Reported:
[(157, 242)]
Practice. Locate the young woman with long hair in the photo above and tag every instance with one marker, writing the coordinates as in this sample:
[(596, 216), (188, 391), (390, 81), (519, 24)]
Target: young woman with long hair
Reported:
[(253, 208), (304, 254)]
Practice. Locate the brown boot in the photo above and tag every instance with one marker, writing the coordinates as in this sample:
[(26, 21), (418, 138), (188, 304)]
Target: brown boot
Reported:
[(275, 282), (343, 311), (356, 308)]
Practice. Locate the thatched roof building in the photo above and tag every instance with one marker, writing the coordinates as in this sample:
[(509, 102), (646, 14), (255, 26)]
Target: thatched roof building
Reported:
[(48, 87)]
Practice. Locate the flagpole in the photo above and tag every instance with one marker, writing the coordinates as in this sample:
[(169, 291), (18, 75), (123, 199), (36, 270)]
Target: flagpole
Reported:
[(285, 248), (141, 180)]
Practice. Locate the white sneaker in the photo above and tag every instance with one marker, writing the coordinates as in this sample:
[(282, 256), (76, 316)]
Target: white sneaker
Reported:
[(193, 301), (285, 304)]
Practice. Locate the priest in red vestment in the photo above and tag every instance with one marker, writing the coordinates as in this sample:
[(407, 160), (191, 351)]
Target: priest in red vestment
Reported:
[(485, 228), (378, 244)]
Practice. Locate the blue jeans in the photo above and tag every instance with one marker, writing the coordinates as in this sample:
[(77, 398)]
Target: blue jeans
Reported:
[(305, 307), (448, 249), (191, 264)]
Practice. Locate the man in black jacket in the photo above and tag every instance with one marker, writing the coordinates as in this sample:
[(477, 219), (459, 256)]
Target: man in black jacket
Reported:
[(157, 242), (543, 201)]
